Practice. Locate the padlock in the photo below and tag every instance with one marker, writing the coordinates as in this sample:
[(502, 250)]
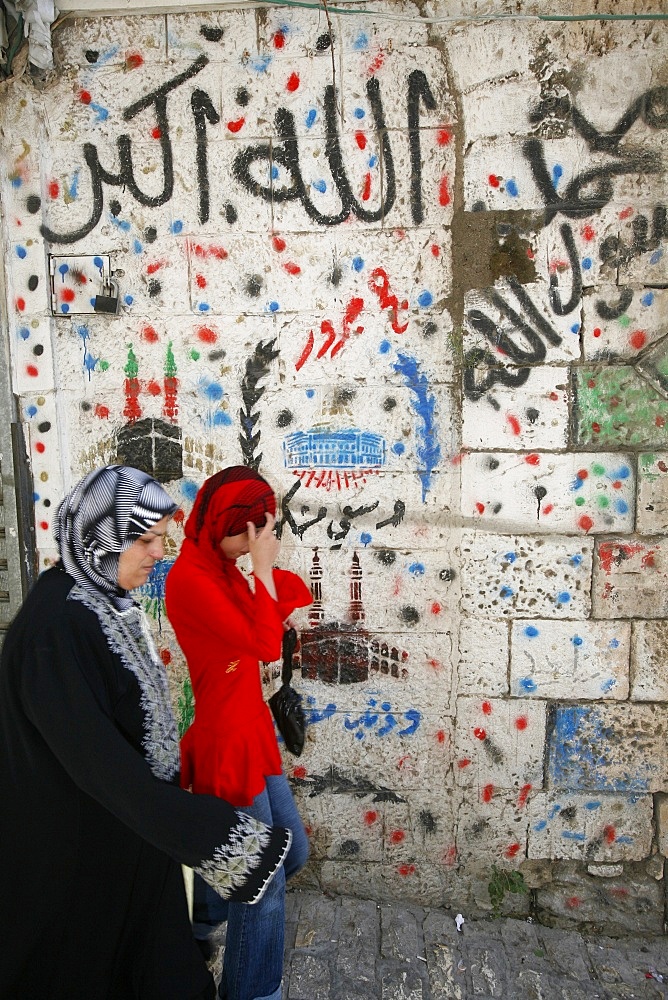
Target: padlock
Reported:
[(108, 301)]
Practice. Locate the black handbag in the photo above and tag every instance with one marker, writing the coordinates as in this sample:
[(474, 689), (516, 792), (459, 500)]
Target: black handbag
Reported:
[(285, 704)]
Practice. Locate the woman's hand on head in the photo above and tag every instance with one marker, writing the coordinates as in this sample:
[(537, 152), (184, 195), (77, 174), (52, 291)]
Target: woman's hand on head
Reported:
[(263, 546)]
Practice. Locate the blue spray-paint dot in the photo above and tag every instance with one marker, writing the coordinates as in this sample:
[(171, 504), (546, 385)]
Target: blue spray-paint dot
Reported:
[(576, 559), (102, 113), (573, 835), (98, 262), (373, 160), (510, 557), (177, 227), (128, 300), (540, 825), (506, 592), (310, 393), (577, 640), (647, 299), (35, 497), (16, 181), (575, 328), (359, 112), (531, 632), (64, 307), (621, 507), (214, 392), (74, 186), (311, 117), (24, 332), (365, 538), (221, 418), (564, 597), (528, 685), (512, 189), (274, 307), (358, 263), (577, 484), (425, 299), (557, 174), (92, 302), (189, 489), (21, 252), (592, 805), (274, 173), (63, 269), (137, 247), (623, 472), (204, 307), (416, 568), (398, 448), (319, 185), (608, 685), (587, 264), (261, 63), (554, 811), (361, 42), (656, 256), (31, 410), (624, 839), (614, 644), (385, 347)]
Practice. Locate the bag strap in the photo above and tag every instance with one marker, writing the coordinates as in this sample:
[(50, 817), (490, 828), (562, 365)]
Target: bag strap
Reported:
[(289, 646)]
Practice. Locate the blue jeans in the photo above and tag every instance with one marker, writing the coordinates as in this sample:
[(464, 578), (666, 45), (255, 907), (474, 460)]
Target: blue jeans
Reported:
[(253, 959)]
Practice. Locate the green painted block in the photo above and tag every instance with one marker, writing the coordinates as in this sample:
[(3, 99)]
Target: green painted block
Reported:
[(616, 406)]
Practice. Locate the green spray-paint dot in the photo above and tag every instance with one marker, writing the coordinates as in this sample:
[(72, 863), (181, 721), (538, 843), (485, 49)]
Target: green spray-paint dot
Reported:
[(624, 320), (598, 470), (647, 460), (580, 502), (195, 355), (603, 502), (104, 366)]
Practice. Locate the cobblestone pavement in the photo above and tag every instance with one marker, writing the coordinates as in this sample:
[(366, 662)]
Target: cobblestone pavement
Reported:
[(339, 948)]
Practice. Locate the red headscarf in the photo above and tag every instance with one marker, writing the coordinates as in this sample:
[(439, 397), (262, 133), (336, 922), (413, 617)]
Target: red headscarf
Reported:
[(226, 503)]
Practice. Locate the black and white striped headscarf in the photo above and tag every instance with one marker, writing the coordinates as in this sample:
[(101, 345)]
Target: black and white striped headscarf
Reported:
[(101, 517)]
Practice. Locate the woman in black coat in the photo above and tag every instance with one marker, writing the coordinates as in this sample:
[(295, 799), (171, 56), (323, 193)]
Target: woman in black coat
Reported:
[(93, 826)]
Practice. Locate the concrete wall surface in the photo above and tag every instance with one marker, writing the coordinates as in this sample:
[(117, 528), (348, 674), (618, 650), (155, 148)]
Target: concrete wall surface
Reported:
[(414, 268)]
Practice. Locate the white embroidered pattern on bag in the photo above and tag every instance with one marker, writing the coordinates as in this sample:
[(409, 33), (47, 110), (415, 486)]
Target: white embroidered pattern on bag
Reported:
[(232, 862), (126, 632)]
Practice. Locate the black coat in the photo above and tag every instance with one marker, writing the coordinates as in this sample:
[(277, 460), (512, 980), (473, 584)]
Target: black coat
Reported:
[(92, 903)]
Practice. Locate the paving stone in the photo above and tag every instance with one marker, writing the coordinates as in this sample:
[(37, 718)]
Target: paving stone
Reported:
[(400, 932), (358, 939), (488, 971), (566, 951), (309, 978), (401, 983), (445, 965), (317, 920)]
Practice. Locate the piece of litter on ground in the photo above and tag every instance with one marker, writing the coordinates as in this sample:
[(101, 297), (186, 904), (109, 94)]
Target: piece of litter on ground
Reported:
[(653, 974), (420, 958), (460, 966), (459, 920)]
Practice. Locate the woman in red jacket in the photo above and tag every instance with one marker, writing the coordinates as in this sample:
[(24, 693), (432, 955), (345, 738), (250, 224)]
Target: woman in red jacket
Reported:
[(224, 628)]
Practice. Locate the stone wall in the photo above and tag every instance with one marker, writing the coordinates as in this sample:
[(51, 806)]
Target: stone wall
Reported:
[(414, 269)]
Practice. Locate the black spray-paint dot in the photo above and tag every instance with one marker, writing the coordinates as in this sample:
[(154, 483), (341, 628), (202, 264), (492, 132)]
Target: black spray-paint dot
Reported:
[(150, 234), (344, 396), (253, 285), (386, 556), (497, 508), (532, 415), (33, 203), (430, 329), (33, 282), (154, 287), (349, 848), (389, 404), (211, 34), (44, 426), (427, 821), (447, 575), (242, 97), (38, 350), (493, 463), (504, 229), (231, 214), (323, 43), (335, 276), (540, 493), (409, 615), (47, 502), (479, 206), (91, 55), (115, 207), (85, 406), (284, 418), (217, 355)]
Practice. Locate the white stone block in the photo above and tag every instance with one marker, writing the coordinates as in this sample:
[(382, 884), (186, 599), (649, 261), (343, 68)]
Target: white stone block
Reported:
[(483, 657), (588, 493), (32, 355), (499, 744), (652, 509), (492, 827), (593, 828), (649, 680), (563, 660), (639, 325), (630, 576), (521, 576), (479, 55), (95, 42)]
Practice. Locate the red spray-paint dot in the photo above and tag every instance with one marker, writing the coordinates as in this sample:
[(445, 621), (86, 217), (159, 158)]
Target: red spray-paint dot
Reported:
[(487, 793), (582, 474), (299, 771), (554, 396), (609, 833), (514, 424), (436, 608), (165, 656), (179, 517), (201, 281), (54, 189), (573, 902), (149, 334), (512, 850), (134, 60), (360, 139), (32, 371), (523, 796), (44, 525), (278, 40), (155, 266), (480, 507), (494, 181), (660, 421), (153, 388), (440, 736), (480, 734), (85, 97), (588, 232), (278, 244), (638, 339), (648, 561), (585, 523), (207, 335), (626, 212), (443, 192), (464, 762), (406, 870), (309, 830), (370, 817), (596, 428), (443, 137), (68, 295), (102, 412), (435, 250), (20, 304), (548, 508), (366, 188), (293, 83), (236, 125), (40, 447), (157, 133), (596, 331), (521, 722), (397, 837), (450, 856), (591, 383), (486, 707), (292, 268), (532, 459)]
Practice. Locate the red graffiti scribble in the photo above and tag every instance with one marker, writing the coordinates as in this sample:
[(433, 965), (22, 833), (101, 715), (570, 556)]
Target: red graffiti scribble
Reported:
[(353, 310), (521, 723), (523, 796), (512, 850), (200, 281), (304, 356), (405, 870), (235, 126), (532, 459), (585, 523), (619, 552), (487, 707), (366, 188), (444, 192), (370, 817), (376, 64), (155, 266), (134, 60), (397, 836), (149, 334), (132, 408), (220, 253), (102, 411), (379, 283), (514, 424), (487, 793), (450, 856), (293, 83), (165, 656)]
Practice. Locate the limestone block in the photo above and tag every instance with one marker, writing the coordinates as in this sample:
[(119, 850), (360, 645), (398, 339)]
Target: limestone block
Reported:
[(648, 661), (39, 414), (223, 36), (478, 56), (483, 657), (343, 826), (651, 266), (423, 883), (28, 284), (652, 508), (20, 183), (530, 416), (491, 829), (630, 578), (499, 745), (556, 493), (608, 747), (626, 335), (602, 828), (500, 108), (617, 407), (562, 660), (420, 829), (94, 42), (662, 823), (497, 179), (521, 575), (32, 355)]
